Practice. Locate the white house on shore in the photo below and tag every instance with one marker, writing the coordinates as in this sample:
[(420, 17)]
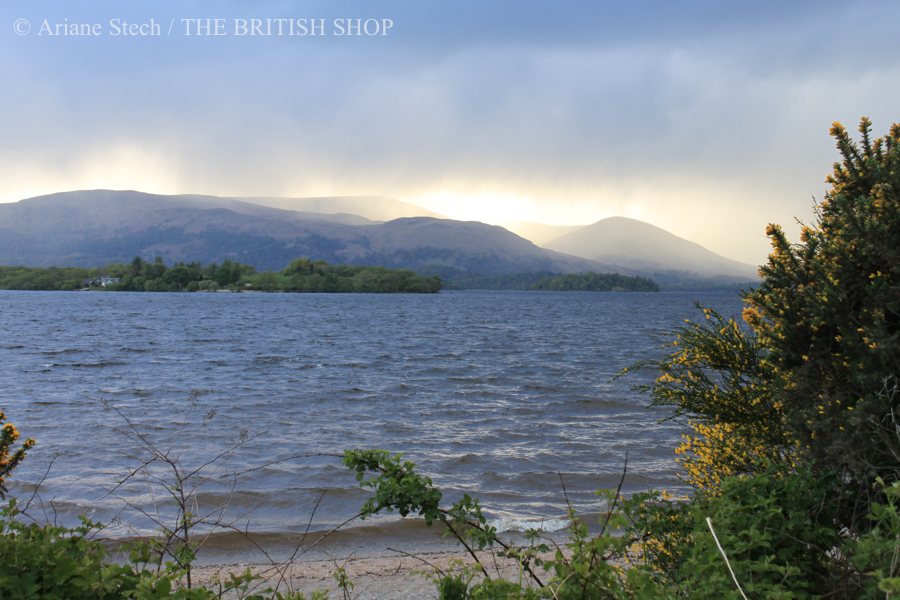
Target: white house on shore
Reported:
[(100, 281)]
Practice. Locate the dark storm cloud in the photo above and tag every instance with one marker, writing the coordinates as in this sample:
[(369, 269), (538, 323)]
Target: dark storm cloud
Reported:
[(550, 99)]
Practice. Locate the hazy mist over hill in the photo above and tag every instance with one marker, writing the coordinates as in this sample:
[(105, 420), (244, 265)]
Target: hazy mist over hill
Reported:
[(644, 247), (540, 233), (375, 208)]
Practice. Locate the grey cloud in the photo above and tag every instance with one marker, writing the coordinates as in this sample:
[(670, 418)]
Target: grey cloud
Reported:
[(526, 94)]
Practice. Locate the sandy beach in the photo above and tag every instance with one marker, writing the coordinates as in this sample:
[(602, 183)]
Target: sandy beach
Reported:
[(391, 576)]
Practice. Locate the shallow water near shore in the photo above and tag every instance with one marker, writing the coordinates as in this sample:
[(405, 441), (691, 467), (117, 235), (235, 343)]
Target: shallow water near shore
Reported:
[(498, 394)]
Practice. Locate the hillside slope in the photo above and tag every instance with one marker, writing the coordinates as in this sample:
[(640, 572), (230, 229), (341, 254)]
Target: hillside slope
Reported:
[(647, 248), (90, 228)]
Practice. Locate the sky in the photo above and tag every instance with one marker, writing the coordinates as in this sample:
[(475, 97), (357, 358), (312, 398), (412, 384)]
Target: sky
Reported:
[(709, 119)]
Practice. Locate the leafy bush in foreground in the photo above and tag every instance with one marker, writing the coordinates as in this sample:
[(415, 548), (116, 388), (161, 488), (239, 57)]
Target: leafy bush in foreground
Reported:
[(10, 457), (47, 561), (778, 533), (828, 313), (55, 562)]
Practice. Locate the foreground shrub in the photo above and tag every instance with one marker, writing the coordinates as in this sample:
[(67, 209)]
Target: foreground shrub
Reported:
[(47, 561), (779, 534), (877, 552), (717, 377), (56, 562), (827, 313), (10, 456)]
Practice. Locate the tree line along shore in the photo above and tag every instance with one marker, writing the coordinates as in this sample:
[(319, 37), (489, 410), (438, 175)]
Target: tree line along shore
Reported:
[(301, 275)]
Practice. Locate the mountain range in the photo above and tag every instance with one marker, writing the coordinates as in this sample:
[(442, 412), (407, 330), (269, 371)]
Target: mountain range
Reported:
[(93, 228), (646, 248)]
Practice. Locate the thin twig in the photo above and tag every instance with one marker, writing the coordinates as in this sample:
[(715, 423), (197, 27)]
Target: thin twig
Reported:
[(615, 501), (609, 512), (495, 539), (293, 555), (468, 548), (37, 487), (439, 570), (725, 556)]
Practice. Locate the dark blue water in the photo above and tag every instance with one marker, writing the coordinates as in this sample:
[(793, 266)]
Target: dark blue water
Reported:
[(493, 393)]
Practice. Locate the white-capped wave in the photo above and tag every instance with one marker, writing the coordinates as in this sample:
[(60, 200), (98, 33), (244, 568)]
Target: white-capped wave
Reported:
[(513, 524)]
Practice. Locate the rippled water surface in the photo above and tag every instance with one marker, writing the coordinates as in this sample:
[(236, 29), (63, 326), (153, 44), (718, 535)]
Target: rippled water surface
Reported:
[(494, 393)]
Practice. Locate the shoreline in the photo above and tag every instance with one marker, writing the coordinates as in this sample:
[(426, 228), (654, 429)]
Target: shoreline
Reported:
[(376, 537), (392, 566), (384, 576)]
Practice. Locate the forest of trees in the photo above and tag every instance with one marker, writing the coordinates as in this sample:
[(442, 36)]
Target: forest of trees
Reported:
[(302, 275), (596, 282), (546, 280)]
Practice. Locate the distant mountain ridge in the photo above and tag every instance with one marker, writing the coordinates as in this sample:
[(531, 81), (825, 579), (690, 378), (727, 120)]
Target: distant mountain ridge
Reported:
[(643, 247), (90, 228)]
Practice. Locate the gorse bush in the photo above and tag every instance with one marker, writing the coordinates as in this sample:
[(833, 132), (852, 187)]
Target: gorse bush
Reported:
[(813, 375), (10, 456), (717, 376), (804, 395), (828, 313)]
